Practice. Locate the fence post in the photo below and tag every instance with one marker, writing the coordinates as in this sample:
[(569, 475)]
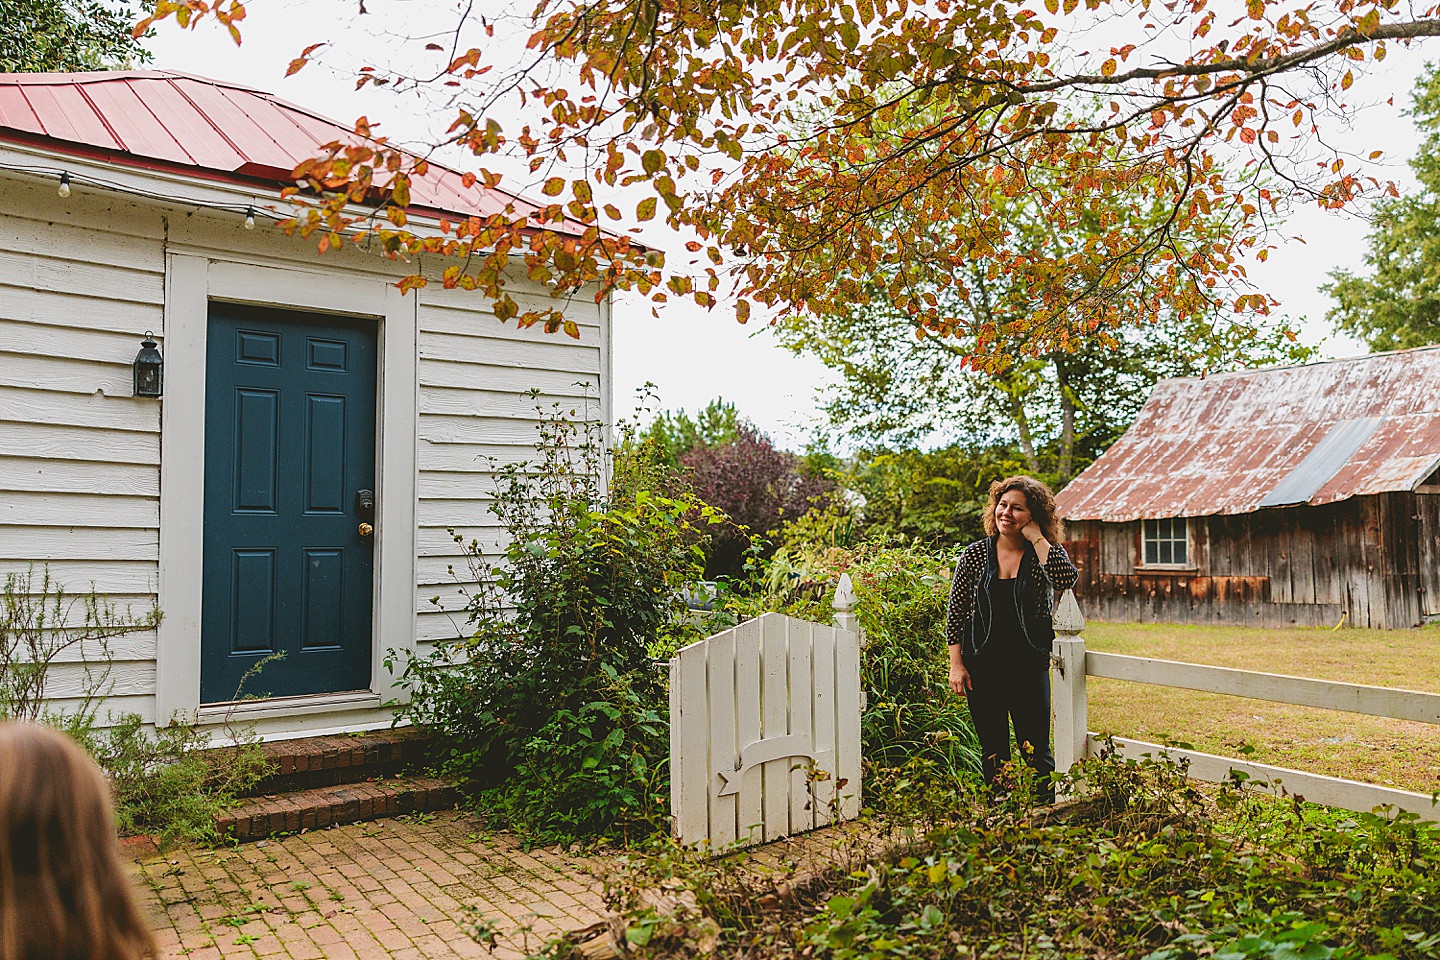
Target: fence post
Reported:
[(1068, 683), (844, 605)]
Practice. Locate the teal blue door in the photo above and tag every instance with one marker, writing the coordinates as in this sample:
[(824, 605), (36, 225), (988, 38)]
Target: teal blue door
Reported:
[(289, 457)]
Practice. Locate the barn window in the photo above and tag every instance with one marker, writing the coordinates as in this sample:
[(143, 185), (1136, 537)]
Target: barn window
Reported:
[(1166, 542)]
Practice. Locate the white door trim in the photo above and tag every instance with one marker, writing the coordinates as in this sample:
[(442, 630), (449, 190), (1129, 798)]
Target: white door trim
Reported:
[(191, 282)]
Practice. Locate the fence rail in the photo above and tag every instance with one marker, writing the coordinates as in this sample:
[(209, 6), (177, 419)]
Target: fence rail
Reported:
[(1073, 664), (1276, 687)]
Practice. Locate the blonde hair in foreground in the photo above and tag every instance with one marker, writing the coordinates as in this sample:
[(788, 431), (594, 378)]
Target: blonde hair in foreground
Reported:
[(63, 892), (1038, 499)]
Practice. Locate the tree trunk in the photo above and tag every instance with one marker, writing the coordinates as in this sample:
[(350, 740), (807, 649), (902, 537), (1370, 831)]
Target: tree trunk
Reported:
[(1067, 421), (1022, 422)]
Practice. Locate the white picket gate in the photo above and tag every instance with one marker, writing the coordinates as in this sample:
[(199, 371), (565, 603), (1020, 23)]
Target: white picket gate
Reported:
[(764, 732)]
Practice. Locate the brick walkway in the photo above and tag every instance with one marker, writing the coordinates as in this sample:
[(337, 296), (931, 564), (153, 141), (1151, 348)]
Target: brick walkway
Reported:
[(405, 889)]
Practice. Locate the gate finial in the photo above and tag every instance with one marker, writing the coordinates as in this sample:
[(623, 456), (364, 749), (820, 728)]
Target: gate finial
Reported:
[(1068, 620), (844, 601)]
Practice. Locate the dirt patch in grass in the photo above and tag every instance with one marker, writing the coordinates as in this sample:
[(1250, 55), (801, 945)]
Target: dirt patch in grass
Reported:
[(1372, 749)]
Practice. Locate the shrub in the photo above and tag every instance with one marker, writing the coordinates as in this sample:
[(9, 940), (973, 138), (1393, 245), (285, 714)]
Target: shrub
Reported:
[(757, 486), (934, 497), (550, 709), (911, 719), (1145, 864), (167, 781)]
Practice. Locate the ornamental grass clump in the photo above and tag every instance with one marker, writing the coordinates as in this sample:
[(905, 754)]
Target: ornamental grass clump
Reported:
[(548, 707)]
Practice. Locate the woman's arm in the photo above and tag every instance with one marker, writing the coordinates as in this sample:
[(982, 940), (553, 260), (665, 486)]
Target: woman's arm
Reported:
[(1054, 561), (960, 613)]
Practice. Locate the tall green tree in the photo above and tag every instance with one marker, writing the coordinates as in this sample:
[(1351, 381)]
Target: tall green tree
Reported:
[(902, 384), (65, 35), (676, 434), (1397, 305)]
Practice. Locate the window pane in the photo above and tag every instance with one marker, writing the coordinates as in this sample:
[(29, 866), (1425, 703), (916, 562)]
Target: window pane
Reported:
[(1152, 529), (1165, 551), (1151, 552), (1180, 551), (1165, 528)]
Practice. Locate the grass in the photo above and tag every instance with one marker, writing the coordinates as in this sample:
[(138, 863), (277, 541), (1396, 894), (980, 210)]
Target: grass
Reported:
[(1376, 750)]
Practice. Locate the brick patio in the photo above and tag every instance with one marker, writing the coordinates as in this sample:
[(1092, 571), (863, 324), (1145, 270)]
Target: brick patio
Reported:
[(402, 889)]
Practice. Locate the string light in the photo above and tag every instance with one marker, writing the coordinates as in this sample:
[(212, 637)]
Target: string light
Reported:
[(67, 179), (249, 218)]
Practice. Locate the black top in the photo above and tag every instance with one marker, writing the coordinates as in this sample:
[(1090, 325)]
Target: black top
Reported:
[(1006, 648), (967, 621)]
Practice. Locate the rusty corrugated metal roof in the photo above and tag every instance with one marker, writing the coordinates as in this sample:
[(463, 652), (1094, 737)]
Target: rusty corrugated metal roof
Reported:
[(1224, 443), (161, 119)]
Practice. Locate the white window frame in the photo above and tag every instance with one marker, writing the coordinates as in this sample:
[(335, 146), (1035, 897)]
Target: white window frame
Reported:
[(192, 283), (1184, 538)]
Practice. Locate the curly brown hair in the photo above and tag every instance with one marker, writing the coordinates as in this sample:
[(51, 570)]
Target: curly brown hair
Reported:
[(1038, 498)]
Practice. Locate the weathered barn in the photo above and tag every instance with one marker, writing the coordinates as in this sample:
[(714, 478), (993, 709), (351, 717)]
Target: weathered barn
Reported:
[(1296, 495), (287, 486)]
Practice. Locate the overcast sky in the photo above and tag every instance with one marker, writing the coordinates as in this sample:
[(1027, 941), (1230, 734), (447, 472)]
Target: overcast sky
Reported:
[(690, 355)]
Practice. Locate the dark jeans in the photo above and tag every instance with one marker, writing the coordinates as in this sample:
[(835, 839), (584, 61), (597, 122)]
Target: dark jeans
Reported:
[(1000, 694)]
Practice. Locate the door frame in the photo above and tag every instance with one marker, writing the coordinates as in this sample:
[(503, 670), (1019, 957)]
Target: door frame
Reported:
[(191, 283)]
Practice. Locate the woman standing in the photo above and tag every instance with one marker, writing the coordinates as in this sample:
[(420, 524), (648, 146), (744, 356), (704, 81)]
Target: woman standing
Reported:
[(999, 628)]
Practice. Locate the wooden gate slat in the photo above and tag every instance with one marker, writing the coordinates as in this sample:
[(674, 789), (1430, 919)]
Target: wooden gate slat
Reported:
[(847, 726), (691, 768), (748, 637), (800, 638), (823, 660), (774, 701), (724, 753)]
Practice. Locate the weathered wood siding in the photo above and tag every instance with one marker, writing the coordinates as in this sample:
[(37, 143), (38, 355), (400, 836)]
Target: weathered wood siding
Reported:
[(80, 283), (1427, 510), (475, 378), (1300, 566)]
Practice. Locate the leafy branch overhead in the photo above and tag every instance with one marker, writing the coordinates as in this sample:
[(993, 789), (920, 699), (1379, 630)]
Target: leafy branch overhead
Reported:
[(784, 138)]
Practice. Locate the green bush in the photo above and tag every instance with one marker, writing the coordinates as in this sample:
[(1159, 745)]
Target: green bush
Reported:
[(170, 782), (167, 781), (551, 709), (911, 720), (1144, 864)]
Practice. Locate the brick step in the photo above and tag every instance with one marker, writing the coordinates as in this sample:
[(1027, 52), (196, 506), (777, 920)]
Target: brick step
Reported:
[(310, 762), (260, 817)]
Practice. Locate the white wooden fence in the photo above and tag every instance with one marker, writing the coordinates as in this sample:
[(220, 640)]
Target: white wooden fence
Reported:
[(1073, 663), (765, 731)]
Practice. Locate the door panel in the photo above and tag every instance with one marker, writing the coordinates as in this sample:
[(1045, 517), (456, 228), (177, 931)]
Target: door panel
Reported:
[(289, 441)]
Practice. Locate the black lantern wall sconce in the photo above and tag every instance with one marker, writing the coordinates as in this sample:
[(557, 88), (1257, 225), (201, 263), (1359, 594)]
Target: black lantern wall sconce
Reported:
[(149, 368)]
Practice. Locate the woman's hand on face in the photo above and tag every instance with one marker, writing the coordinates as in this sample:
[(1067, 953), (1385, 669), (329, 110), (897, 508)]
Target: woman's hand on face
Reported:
[(1032, 532), (960, 680)]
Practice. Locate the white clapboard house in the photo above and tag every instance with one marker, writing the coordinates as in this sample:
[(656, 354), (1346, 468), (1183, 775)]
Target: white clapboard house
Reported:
[(317, 429)]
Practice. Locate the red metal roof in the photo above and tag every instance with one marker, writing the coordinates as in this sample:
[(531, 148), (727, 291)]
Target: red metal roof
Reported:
[(1223, 443), (220, 130)]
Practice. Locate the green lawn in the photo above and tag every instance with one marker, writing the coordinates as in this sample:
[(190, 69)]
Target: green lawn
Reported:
[(1376, 750)]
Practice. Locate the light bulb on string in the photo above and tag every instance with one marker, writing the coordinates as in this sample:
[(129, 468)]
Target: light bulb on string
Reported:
[(64, 190), (249, 218)]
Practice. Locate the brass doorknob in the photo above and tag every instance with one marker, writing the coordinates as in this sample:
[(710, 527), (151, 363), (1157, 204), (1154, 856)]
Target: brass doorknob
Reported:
[(366, 529)]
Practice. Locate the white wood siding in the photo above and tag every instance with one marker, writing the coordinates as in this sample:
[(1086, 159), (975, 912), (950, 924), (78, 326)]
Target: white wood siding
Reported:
[(475, 373), (79, 456), (83, 278)]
